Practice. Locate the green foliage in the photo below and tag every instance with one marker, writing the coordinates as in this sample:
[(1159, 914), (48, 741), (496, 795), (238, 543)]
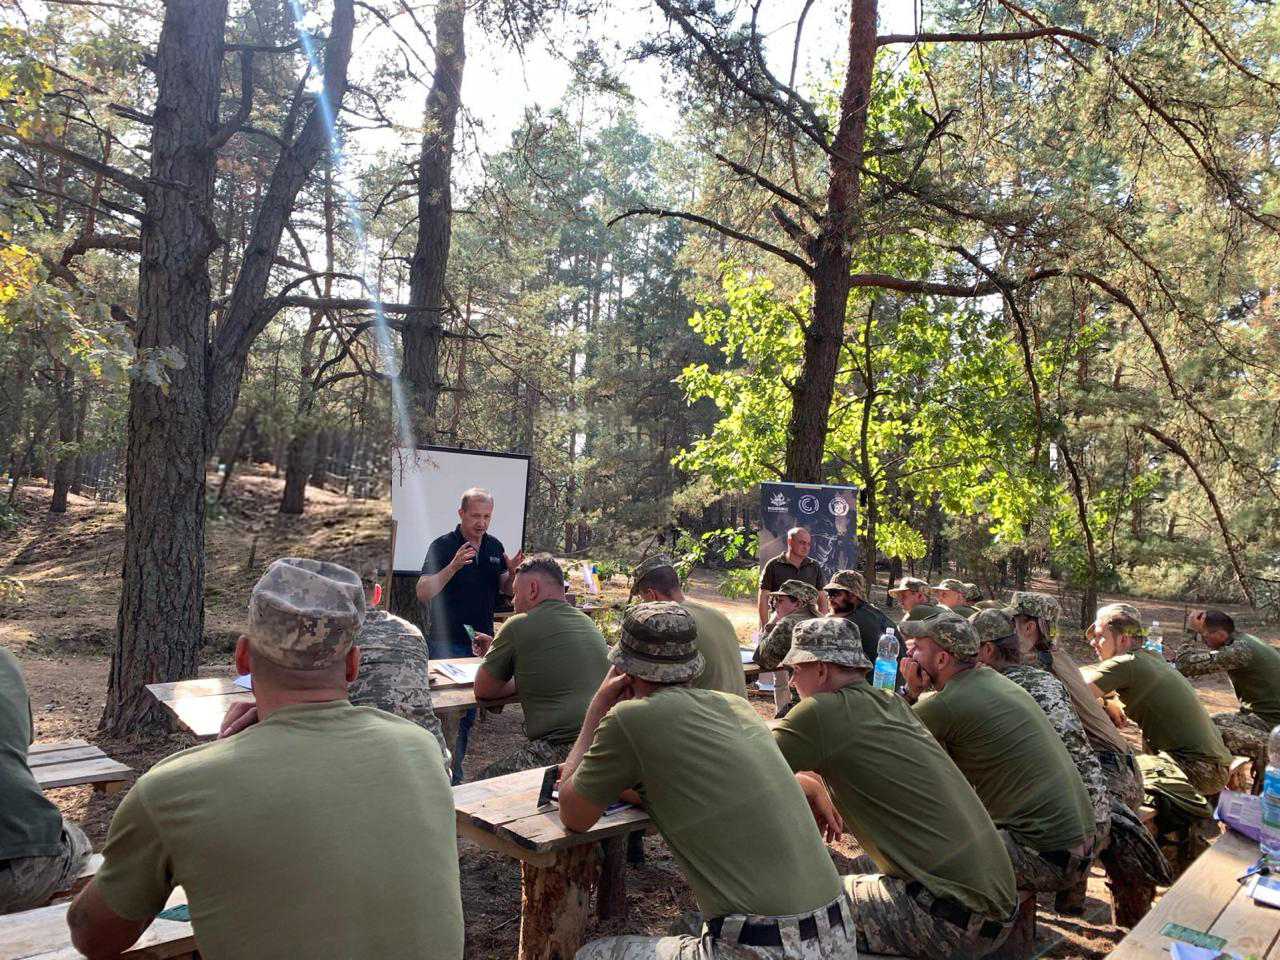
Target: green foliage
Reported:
[(11, 591)]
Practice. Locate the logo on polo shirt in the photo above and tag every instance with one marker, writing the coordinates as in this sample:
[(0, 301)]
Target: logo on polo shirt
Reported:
[(838, 506)]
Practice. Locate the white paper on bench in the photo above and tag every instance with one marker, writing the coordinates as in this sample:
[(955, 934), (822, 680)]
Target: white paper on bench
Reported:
[(462, 672)]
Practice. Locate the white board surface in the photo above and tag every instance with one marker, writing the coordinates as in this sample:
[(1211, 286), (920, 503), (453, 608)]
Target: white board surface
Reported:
[(426, 489)]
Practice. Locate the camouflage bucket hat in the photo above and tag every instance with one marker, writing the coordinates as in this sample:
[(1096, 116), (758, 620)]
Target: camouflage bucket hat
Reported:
[(1112, 610), (827, 640), (949, 631), (656, 643), (305, 614), (992, 625), (659, 561), (797, 590), (951, 583), (849, 580), (972, 593), (908, 584)]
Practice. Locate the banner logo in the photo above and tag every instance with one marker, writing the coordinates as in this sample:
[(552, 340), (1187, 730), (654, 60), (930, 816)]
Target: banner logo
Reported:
[(808, 503), (778, 503), (839, 507)]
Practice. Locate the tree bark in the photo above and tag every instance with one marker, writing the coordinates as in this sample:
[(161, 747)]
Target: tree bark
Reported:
[(77, 468), (296, 470), (64, 470), (161, 618), (320, 460)]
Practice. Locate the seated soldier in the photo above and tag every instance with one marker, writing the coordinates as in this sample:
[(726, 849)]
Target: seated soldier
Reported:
[(1160, 700), (1034, 617), (656, 579), (706, 769), (325, 830), (393, 676), (792, 603), (936, 883), (1252, 666), (40, 853), (847, 595), (1006, 748), (912, 595), (949, 593), (551, 656)]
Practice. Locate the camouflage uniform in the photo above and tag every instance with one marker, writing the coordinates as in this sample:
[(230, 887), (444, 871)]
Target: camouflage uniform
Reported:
[(305, 614), (776, 640), (649, 634), (28, 882), (690, 939), (1244, 734), (394, 672), (530, 754)]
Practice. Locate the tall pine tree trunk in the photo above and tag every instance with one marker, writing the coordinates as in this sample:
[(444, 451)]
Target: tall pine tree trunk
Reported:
[(64, 470), (161, 617)]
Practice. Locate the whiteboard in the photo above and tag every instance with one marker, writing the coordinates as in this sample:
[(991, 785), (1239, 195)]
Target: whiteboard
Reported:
[(426, 490)]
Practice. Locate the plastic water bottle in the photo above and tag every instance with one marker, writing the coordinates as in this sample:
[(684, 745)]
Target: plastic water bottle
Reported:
[(1155, 640), (1269, 843), (886, 672)]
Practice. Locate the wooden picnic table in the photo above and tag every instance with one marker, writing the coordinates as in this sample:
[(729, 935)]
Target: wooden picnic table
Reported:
[(70, 763), (1208, 897), (557, 866), (42, 935)]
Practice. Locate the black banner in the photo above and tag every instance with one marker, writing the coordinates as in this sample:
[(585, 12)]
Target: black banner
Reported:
[(829, 513)]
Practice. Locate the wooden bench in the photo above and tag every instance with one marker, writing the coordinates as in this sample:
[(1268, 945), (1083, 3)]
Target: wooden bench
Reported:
[(1208, 897), (74, 762), (41, 934)]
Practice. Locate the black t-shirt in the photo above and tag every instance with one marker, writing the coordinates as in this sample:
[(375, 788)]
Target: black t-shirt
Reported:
[(469, 596), (779, 570)]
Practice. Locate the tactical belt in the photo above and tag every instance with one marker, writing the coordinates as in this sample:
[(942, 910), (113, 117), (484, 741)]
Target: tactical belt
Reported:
[(767, 934), (954, 912)]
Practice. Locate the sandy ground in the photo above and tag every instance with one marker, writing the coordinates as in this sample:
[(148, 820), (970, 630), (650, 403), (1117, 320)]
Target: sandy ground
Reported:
[(63, 630)]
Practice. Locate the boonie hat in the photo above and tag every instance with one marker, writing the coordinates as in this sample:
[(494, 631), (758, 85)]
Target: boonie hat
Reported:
[(827, 640), (951, 583), (950, 631), (972, 592), (850, 580), (305, 614), (797, 590), (908, 584), (659, 561), (656, 643), (1112, 610)]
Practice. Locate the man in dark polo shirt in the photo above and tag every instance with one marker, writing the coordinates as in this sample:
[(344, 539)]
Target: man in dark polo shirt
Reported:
[(793, 564), (461, 577)]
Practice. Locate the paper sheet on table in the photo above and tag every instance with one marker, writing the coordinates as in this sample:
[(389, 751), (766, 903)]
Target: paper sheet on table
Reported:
[(1185, 951), (747, 653), (1264, 890), (245, 681), (462, 672)]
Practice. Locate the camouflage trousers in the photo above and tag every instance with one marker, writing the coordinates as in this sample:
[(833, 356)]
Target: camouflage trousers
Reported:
[(1207, 776), (1033, 871), (1124, 778), (1244, 734), (891, 920), (30, 881), (690, 939), (534, 753)]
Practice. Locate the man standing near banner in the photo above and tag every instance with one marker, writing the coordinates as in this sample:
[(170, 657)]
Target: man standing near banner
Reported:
[(461, 577)]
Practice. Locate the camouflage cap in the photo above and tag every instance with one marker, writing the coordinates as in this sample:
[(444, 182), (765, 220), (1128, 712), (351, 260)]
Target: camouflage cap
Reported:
[(951, 632), (1109, 611), (1038, 605), (908, 584), (972, 592), (827, 640), (850, 580), (656, 643), (305, 614), (951, 583), (659, 561), (992, 625), (797, 590)]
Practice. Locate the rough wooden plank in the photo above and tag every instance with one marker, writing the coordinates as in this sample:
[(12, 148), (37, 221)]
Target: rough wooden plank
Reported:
[(48, 757), (491, 841), (98, 770), (184, 689), (42, 935), (203, 715), (53, 746), (1196, 900), (1247, 927), (545, 830)]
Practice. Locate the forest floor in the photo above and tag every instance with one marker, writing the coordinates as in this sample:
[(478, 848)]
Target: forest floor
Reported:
[(63, 631)]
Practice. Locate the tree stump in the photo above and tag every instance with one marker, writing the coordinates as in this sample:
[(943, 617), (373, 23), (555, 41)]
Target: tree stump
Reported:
[(554, 902), (611, 895)]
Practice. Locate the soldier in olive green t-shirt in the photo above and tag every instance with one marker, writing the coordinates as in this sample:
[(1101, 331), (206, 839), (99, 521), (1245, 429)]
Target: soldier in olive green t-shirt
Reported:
[(323, 831), (931, 881), (1159, 700), (706, 770), (656, 579), (1003, 743), (552, 657), (1252, 666)]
